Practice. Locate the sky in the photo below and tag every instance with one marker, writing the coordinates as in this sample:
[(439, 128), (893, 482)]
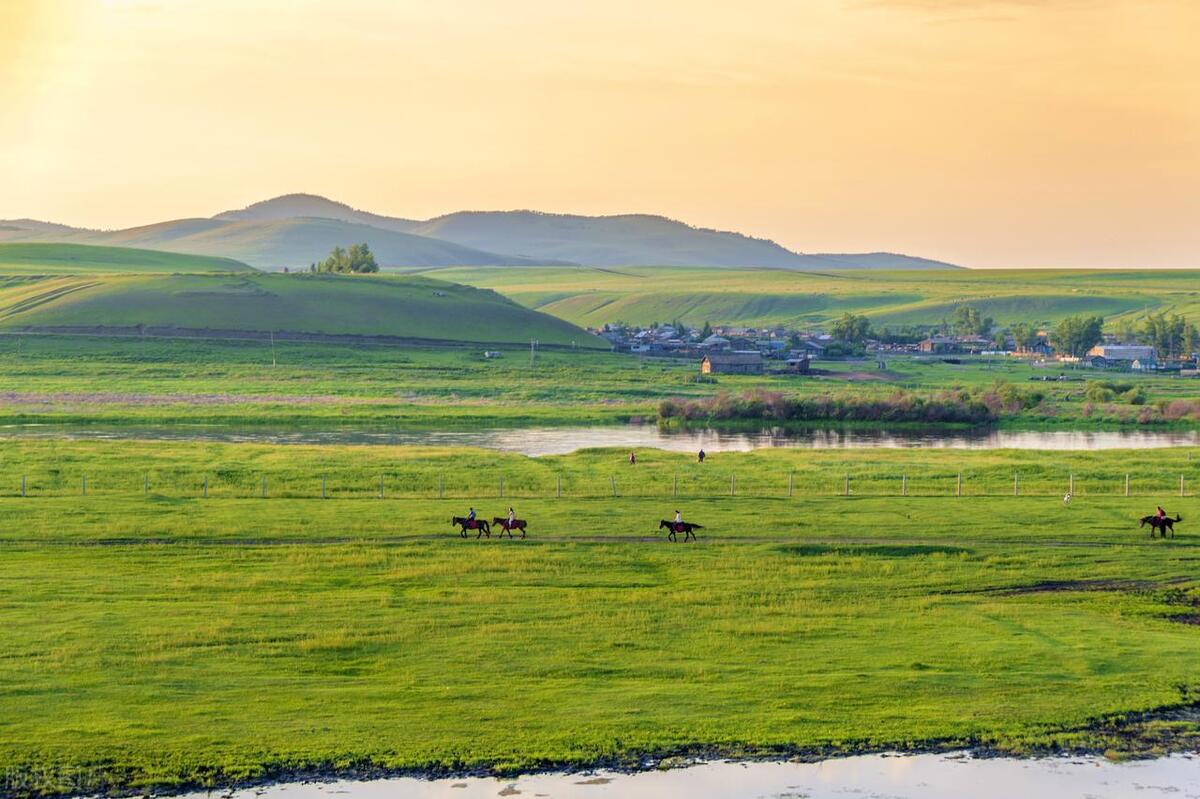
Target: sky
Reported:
[(990, 133)]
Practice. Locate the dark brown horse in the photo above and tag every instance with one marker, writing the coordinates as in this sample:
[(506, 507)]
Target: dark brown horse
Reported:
[(1160, 524), (472, 524), (687, 528), (505, 527)]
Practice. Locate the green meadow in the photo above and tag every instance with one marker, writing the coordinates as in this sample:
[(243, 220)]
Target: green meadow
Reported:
[(80, 259), (641, 295), (163, 639)]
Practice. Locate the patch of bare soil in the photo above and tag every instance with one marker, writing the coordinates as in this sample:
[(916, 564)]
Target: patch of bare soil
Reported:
[(59, 399)]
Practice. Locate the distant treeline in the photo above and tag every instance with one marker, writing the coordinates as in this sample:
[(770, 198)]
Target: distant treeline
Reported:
[(950, 407)]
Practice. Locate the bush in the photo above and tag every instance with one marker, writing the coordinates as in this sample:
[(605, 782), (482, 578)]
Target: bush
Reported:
[(947, 407)]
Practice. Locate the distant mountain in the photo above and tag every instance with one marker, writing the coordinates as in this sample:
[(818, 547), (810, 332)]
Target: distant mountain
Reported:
[(288, 206), (296, 229), (633, 239)]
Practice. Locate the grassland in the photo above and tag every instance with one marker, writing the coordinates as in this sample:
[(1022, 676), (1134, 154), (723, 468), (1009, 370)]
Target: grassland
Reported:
[(313, 304), (642, 295), (166, 640), (84, 259), (79, 379)]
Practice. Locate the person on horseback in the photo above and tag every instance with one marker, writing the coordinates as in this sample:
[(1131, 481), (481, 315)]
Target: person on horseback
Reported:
[(1160, 513), (678, 522), (512, 517), (471, 517)]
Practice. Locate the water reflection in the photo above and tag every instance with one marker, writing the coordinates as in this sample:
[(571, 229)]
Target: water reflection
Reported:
[(897, 777), (562, 440)]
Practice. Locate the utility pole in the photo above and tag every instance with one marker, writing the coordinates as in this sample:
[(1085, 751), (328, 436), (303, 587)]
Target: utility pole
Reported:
[(272, 349), (532, 352)]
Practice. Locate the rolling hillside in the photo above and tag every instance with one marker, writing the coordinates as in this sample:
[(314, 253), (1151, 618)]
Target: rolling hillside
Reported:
[(47, 259), (409, 307), (297, 229), (593, 297)]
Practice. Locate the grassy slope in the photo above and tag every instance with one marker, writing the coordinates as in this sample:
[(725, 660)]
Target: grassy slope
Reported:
[(228, 637), (78, 259), (643, 294), (405, 306)]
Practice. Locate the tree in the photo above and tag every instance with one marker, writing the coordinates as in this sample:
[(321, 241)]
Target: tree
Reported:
[(358, 258), (1075, 335), (706, 331), (968, 322), (850, 328)]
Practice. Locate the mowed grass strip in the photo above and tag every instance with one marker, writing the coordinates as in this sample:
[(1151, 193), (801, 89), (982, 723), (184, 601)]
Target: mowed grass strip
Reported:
[(166, 641)]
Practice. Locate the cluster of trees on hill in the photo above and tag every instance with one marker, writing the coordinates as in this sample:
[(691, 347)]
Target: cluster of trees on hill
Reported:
[(1170, 334), (358, 259)]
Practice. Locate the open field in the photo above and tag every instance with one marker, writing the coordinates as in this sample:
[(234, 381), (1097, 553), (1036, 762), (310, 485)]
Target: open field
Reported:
[(84, 259), (641, 295), (169, 640), (357, 305), (117, 380)]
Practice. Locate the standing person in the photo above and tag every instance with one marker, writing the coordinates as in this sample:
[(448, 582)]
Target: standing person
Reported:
[(632, 458), (700, 456)]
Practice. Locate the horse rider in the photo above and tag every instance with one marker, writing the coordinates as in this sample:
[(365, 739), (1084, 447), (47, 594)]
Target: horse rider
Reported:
[(471, 517), (512, 517), (1160, 513), (678, 522)]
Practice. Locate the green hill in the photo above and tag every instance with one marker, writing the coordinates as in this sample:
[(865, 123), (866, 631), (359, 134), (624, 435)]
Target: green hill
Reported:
[(78, 259), (410, 307)]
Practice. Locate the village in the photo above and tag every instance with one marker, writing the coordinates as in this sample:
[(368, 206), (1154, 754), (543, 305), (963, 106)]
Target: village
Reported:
[(733, 349)]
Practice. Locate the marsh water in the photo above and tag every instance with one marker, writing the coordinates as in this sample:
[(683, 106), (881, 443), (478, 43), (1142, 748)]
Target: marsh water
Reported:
[(952, 776), (536, 441)]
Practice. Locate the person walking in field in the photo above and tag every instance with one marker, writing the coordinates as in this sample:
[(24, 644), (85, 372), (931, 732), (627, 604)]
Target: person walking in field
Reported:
[(633, 459), (700, 456)]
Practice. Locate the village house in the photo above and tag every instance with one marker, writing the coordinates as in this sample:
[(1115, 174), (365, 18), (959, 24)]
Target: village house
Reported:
[(732, 363), (1105, 356), (939, 345)]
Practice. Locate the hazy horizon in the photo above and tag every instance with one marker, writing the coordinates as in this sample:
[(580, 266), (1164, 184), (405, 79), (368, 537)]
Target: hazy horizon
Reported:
[(986, 133)]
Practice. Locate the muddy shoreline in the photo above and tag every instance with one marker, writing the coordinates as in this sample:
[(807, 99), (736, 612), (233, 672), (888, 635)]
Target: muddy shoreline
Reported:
[(1131, 736)]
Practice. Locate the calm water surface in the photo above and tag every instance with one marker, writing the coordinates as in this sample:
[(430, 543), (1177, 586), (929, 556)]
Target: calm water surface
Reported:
[(561, 440), (867, 777)]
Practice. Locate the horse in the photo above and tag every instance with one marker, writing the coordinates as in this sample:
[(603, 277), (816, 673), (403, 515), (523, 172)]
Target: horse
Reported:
[(468, 524), (505, 527), (1161, 523), (686, 528)]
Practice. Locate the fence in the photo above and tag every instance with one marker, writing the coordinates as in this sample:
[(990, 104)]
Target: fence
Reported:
[(643, 483)]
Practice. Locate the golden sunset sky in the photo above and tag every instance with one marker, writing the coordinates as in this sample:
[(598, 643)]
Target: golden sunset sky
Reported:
[(984, 132)]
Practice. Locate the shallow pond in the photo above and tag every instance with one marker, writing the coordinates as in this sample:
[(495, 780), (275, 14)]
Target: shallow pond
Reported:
[(867, 777), (561, 440)]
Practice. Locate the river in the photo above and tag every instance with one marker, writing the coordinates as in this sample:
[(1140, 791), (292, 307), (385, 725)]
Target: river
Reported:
[(953, 776), (536, 441)]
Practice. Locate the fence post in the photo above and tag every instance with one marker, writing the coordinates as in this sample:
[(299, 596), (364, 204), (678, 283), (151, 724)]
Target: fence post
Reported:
[(1181, 485), (1016, 485), (381, 486), (1127, 484), (439, 486), (847, 490), (206, 486), (675, 486), (322, 486), (613, 481), (145, 484), (790, 476), (958, 485), (1071, 484), (264, 487), (558, 486), (904, 485), (22, 485), (732, 485)]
